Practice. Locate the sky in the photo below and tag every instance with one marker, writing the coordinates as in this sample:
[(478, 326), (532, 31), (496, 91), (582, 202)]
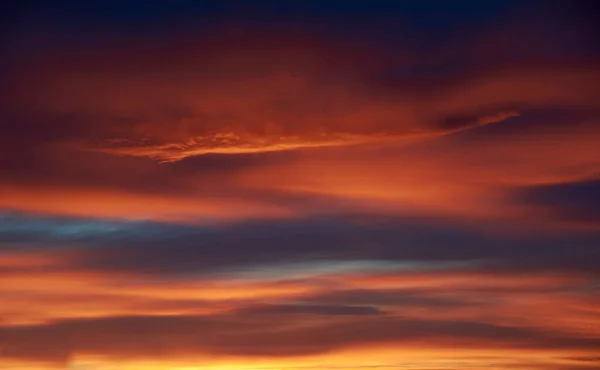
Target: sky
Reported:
[(299, 185)]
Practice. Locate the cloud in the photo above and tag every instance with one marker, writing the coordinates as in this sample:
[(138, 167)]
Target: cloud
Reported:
[(170, 249), (103, 280), (115, 303), (300, 194), (146, 337), (575, 200), (262, 125), (311, 309)]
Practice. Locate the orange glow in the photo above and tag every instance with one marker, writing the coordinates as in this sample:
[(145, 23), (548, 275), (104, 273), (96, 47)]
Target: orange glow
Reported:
[(117, 204), (299, 199)]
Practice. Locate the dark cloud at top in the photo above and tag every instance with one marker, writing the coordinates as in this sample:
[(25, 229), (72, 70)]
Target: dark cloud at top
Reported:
[(139, 14), (87, 74)]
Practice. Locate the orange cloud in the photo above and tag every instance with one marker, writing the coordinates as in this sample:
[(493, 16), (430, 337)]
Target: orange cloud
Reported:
[(399, 147), (137, 319), (240, 98), (108, 203), (264, 127)]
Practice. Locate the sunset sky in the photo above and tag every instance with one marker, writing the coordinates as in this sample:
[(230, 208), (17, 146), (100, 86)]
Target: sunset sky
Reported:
[(299, 185)]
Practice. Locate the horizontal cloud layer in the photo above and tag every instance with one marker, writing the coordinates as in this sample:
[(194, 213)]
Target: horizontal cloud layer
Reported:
[(300, 195)]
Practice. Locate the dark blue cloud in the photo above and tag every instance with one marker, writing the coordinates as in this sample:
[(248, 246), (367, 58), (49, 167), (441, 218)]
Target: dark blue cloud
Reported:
[(37, 229), (426, 13), (576, 201), (155, 248)]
